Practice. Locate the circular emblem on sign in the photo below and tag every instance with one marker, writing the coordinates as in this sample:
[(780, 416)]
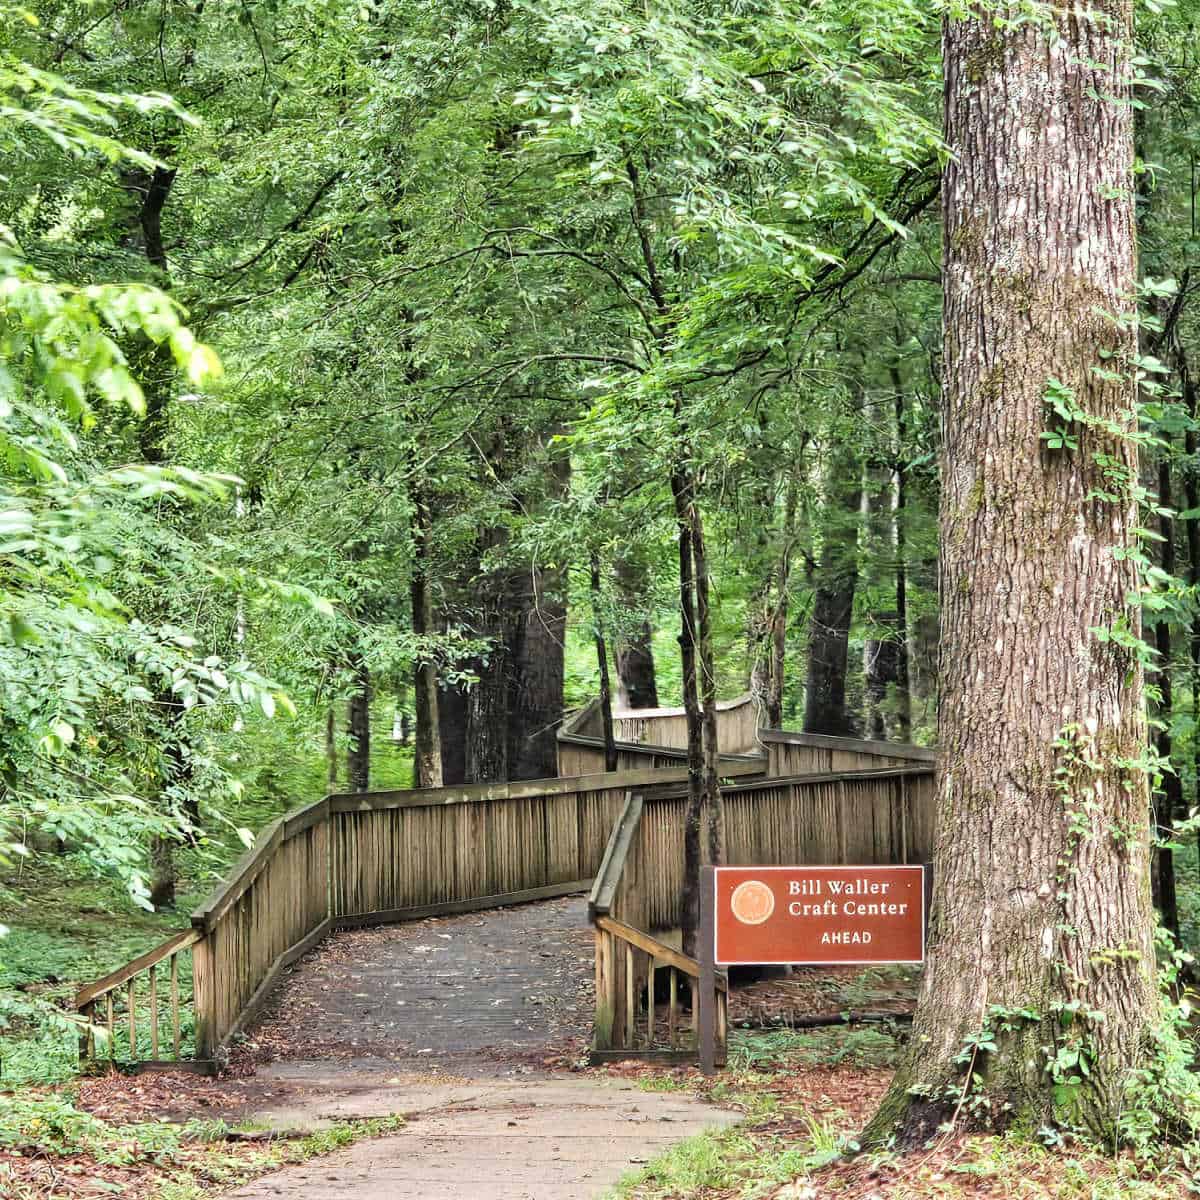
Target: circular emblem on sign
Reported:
[(752, 902)]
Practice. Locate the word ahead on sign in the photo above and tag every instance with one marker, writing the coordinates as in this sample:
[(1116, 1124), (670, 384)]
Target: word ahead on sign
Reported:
[(818, 915)]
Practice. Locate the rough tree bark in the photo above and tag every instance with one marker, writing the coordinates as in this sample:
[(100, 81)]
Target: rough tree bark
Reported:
[(536, 682), (767, 635), (538, 629), (1041, 870)]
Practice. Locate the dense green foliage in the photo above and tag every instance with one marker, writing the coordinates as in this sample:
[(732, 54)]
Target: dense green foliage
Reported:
[(277, 276)]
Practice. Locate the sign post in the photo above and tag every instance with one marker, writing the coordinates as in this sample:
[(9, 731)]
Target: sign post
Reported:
[(708, 973), (804, 916)]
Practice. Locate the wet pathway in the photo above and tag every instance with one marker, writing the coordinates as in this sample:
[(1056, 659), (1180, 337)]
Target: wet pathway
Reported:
[(463, 1025)]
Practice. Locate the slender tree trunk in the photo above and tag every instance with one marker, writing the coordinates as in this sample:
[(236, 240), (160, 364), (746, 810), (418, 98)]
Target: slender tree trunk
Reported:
[(682, 489), (427, 750), (636, 683), (1041, 870), (606, 712), (358, 710), (714, 808), (331, 756), (1168, 800), (1191, 492), (833, 599), (903, 692)]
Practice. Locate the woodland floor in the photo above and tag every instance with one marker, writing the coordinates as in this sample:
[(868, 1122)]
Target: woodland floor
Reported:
[(444, 1059)]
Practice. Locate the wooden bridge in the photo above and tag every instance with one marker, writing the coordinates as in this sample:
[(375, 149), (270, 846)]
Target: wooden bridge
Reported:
[(380, 857)]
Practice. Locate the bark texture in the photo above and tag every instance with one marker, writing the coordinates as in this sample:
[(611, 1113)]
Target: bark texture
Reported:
[(1041, 872)]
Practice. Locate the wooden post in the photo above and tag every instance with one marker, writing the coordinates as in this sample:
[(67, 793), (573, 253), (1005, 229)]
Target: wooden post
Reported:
[(154, 1012), (204, 993), (708, 975), (606, 1001), (175, 1002), (630, 999)]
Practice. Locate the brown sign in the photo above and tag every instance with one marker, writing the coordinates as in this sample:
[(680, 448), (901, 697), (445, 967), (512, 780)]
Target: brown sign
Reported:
[(816, 915)]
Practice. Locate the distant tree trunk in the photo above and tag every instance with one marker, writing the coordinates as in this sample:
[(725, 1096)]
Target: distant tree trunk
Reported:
[(833, 600), (682, 490), (1041, 903), (536, 658), (899, 538), (636, 683), (713, 804), (828, 646), (606, 712), (358, 709), (151, 189), (331, 757), (452, 724), (427, 750), (881, 668), (1168, 800), (768, 623), (539, 638), (487, 713)]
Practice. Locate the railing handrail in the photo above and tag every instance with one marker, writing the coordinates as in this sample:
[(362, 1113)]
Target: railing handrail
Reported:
[(93, 991), (827, 741), (251, 864), (521, 789), (612, 865), (667, 955)]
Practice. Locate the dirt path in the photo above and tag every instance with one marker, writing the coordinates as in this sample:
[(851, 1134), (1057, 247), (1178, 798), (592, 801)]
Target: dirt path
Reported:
[(490, 1139), (459, 1024)]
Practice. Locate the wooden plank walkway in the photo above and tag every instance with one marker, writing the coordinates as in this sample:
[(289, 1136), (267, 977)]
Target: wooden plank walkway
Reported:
[(497, 992)]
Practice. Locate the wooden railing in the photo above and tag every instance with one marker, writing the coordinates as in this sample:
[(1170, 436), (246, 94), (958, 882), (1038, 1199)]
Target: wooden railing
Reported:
[(369, 858), (348, 860), (633, 1016), (656, 738), (852, 817), (110, 1007), (806, 753), (273, 907)]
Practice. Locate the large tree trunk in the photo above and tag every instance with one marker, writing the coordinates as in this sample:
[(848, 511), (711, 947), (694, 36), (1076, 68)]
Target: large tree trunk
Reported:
[(539, 629), (427, 748), (535, 708), (636, 683), (452, 724), (1041, 907)]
